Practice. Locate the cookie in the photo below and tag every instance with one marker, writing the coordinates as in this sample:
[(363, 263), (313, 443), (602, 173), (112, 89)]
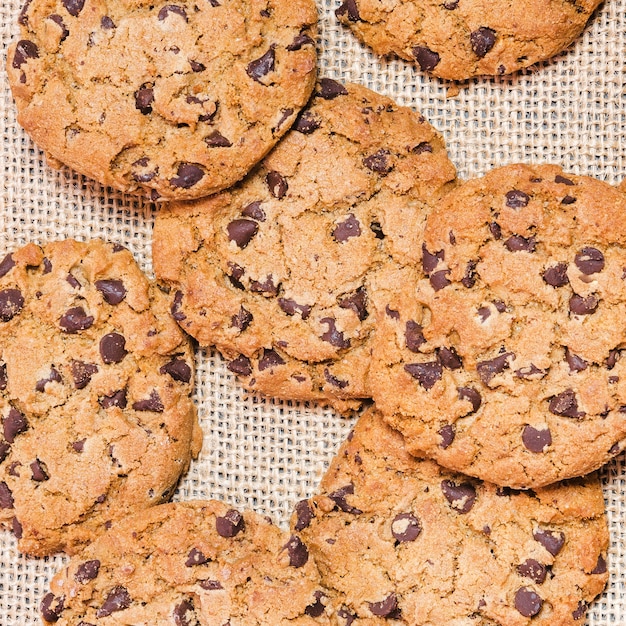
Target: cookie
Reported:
[(167, 100), (274, 271), (192, 564), (95, 383), (501, 355), (403, 541), (459, 39)]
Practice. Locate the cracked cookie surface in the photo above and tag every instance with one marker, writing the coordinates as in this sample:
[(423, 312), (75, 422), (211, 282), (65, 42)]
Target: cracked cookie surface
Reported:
[(403, 541), (197, 563), (274, 271), (95, 383), (168, 100), (501, 356), (458, 39)]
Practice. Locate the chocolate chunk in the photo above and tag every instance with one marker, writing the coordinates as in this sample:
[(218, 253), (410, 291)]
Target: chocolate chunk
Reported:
[(4, 450), (516, 199), (447, 434), (472, 396), (107, 23), (334, 336), (74, 7), (379, 162), (482, 40), (517, 243), (113, 348), (329, 89), (427, 374), (78, 446), (277, 184), (495, 230), (117, 599), (71, 279), (270, 359), (230, 525), (300, 40), (600, 567), (267, 286), (469, 280), (196, 557), (339, 498), (240, 366), (449, 358), (152, 403), (392, 313), (141, 172), (196, 67), (242, 231), (187, 175), (357, 302), (385, 607), (318, 607), (536, 439), (427, 59), (563, 181), (87, 571), (262, 66), (346, 615), (178, 369), (175, 309), (450, 5), (413, 336), (113, 290), (532, 372), (422, 147), (376, 228), (16, 527), (333, 380), (528, 602), (350, 227), (144, 97), (117, 398), (405, 527), (568, 200), (172, 8), (6, 265), (589, 261), (291, 307), (297, 551), (24, 50), (6, 497), (75, 319), (580, 610), (217, 140), (3, 376), (13, 425), (184, 613), (350, 9), (54, 376), (461, 496), (552, 541), (430, 260), (612, 359), (242, 320), (484, 312), (534, 570), (39, 471), (439, 279), (556, 276), (11, 303), (576, 363), (565, 404), (51, 607), (487, 370), (211, 585), (307, 122), (304, 515), (254, 211)]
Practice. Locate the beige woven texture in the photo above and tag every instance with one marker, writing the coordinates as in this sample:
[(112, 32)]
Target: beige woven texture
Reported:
[(267, 455)]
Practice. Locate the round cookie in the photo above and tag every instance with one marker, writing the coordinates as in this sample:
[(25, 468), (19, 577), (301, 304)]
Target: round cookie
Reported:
[(458, 39), (401, 540), (95, 383), (274, 271), (167, 100), (501, 356), (192, 564)]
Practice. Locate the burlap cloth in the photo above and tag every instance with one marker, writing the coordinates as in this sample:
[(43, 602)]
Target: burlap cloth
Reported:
[(267, 455)]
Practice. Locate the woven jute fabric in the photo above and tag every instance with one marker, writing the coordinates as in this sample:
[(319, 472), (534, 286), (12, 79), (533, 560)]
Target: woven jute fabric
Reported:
[(264, 454)]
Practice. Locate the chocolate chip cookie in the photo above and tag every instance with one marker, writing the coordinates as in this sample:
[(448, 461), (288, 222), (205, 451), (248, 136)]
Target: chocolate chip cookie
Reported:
[(501, 356), (95, 383), (274, 271), (402, 540), (458, 39), (168, 100), (195, 563)]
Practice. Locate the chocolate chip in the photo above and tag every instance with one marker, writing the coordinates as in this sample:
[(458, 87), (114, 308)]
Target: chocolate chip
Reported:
[(552, 541), (230, 525), (51, 607), (178, 369), (346, 615), (357, 302), (469, 280), (117, 599), (14, 424), (482, 40), (333, 380), (54, 376), (116, 399), (534, 570), (528, 602), (536, 439), (376, 228), (580, 610), (304, 515), (211, 585), (267, 286), (405, 527), (11, 303), (6, 265), (450, 5), (532, 372), (291, 307), (113, 348), (78, 446), (385, 607), (484, 312), (329, 89), (197, 67), (172, 8), (24, 50), (318, 607), (217, 140), (240, 366), (74, 7), (307, 122), (23, 16), (565, 404), (339, 498), (113, 291), (4, 450), (184, 614), (589, 261), (152, 403), (350, 227), (334, 336), (6, 497), (107, 23), (39, 471), (242, 231), (75, 319), (413, 336), (427, 374), (87, 571), (576, 363), (495, 230), (379, 162), (276, 184), (350, 9), (487, 370), (144, 97), (242, 320), (3, 376), (612, 359), (300, 40), (447, 434), (175, 309), (196, 557), (187, 175), (254, 211), (270, 359), (427, 59), (562, 180), (516, 199), (517, 243), (600, 567), (297, 551), (449, 358), (472, 396), (556, 276), (262, 66), (439, 279), (16, 527), (568, 200), (430, 260), (461, 496)]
